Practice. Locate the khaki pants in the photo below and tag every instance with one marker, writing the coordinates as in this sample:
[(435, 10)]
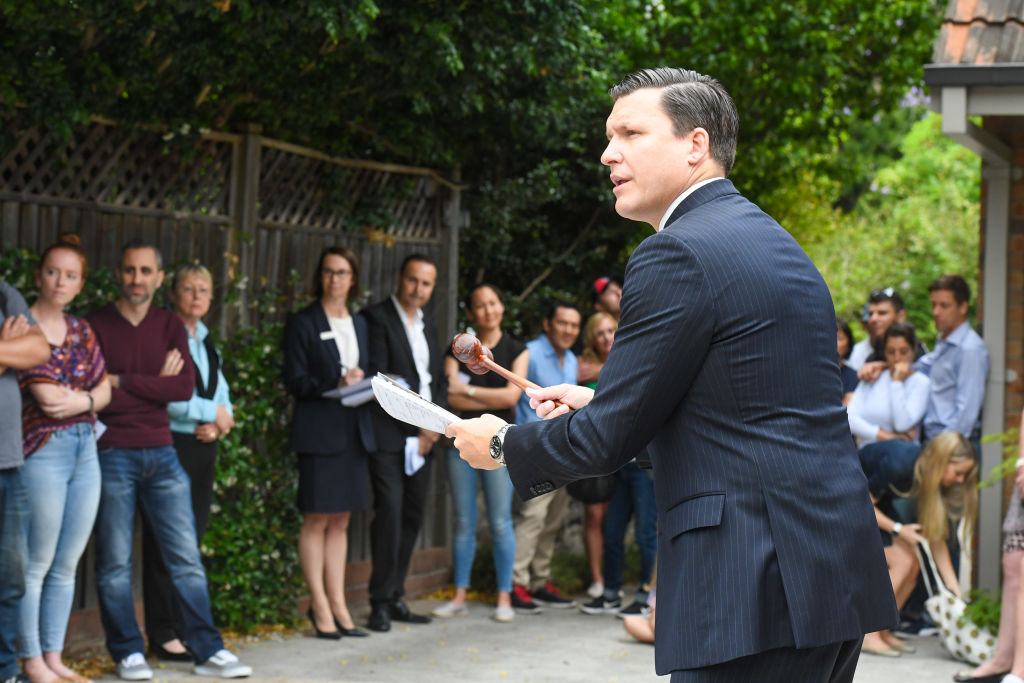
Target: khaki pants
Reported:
[(538, 522)]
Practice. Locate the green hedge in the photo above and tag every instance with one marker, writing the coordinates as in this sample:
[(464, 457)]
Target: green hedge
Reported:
[(250, 548)]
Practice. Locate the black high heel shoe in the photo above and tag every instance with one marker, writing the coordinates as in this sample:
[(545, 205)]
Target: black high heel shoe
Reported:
[(325, 635), (350, 632)]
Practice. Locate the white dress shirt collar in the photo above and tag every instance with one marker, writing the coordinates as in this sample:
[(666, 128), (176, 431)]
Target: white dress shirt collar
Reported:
[(679, 200)]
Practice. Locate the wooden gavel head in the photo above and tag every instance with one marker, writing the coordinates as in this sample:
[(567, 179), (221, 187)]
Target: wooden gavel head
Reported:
[(467, 349)]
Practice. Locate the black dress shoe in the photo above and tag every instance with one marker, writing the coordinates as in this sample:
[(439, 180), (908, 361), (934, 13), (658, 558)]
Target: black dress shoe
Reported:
[(325, 635), (966, 677), (401, 612), (159, 652), (379, 619), (350, 632)]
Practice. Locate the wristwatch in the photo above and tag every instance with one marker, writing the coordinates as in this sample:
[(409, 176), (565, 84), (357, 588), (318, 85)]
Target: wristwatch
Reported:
[(497, 444), (896, 528), (470, 390)]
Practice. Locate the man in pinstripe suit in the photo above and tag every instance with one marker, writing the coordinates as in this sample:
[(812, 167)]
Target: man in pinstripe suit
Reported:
[(724, 366)]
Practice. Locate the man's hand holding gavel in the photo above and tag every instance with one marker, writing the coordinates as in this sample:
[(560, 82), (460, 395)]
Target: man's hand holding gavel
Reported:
[(473, 437)]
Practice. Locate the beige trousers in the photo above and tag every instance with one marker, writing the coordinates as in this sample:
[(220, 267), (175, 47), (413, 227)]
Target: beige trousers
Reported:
[(537, 522)]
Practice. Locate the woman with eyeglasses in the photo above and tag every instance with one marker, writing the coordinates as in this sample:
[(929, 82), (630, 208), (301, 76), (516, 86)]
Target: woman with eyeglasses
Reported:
[(325, 347), (196, 426)]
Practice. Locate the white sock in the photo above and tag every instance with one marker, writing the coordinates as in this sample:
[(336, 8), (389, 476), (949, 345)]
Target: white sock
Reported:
[(1010, 678)]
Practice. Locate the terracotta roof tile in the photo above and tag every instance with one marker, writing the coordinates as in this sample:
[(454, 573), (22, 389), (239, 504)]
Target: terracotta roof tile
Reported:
[(981, 32)]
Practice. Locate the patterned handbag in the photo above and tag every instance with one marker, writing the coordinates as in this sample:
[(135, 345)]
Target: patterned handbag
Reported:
[(964, 639)]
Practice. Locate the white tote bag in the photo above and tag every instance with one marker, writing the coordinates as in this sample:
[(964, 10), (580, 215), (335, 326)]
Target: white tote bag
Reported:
[(963, 638)]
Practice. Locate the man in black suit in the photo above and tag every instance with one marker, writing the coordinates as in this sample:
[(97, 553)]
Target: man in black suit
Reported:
[(404, 344), (724, 367)]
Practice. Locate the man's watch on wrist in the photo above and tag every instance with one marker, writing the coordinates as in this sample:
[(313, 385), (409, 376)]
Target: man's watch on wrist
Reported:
[(470, 390), (896, 528), (497, 445)]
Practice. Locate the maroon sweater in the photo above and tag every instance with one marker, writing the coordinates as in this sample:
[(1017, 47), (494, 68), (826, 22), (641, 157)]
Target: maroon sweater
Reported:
[(137, 414)]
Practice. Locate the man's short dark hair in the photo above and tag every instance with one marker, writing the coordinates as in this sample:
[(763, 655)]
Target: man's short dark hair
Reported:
[(142, 243), (560, 303), (691, 100), (952, 283), (888, 294), (415, 257)]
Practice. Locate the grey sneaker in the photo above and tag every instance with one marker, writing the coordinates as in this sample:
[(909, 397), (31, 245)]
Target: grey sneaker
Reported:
[(450, 609), (223, 664), (134, 668)]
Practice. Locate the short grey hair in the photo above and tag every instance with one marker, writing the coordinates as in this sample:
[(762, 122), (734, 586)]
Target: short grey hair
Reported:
[(691, 100)]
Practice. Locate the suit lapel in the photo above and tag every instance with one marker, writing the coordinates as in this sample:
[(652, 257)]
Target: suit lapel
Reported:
[(398, 330)]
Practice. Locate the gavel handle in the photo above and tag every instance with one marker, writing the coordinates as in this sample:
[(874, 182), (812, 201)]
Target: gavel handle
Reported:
[(521, 382)]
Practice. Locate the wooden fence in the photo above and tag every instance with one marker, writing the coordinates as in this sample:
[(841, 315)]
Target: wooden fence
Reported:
[(252, 209)]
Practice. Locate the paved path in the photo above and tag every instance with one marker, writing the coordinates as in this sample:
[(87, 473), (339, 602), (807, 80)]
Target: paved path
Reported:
[(558, 645)]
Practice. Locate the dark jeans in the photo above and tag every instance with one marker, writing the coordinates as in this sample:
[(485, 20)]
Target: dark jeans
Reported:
[(153, 477), (633, 495), (398, 503), (889, 463), (199, 460), (13, 557)]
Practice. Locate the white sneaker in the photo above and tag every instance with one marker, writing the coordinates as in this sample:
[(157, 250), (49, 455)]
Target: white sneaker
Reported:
[(450, 609), (223, 664), (596, 589), (504, 613), (134, 668)]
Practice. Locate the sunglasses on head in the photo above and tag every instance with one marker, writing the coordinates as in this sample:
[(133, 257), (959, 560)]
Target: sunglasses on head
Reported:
[(887, 292)]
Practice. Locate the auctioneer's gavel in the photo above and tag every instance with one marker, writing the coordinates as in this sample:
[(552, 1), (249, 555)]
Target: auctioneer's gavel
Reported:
[(479, 359)]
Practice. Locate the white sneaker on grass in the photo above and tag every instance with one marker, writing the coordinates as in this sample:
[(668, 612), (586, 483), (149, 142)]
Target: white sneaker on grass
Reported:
[(223, 664), (450, 609), (134, 668)]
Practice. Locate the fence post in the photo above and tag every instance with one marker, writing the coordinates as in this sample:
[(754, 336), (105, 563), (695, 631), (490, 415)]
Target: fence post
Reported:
[(245, 187), (449, 262)]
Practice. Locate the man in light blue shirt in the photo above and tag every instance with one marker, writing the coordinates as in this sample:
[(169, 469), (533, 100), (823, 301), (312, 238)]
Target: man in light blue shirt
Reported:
[(958, 365), (539, 520)]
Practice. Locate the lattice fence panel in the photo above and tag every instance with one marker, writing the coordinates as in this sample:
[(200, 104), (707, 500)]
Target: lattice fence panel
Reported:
[(103, 164), (298, 190)]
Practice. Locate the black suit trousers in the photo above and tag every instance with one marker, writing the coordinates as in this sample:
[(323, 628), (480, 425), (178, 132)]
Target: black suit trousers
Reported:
[(834, 663), (398, 504)]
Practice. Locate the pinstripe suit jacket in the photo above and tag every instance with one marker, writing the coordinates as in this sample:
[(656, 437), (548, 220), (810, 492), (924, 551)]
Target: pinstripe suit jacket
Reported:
[(724, 366)]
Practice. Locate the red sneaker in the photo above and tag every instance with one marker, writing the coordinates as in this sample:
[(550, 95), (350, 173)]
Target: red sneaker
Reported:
[(522, 601)]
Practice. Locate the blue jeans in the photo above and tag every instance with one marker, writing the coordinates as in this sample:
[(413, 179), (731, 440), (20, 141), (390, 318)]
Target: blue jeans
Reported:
[(13, 522), (633, 495), (498, 494), (62, 480), (156, 478), (889, 463)]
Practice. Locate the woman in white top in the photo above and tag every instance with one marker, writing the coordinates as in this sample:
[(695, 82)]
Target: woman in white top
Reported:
[(885, 417)]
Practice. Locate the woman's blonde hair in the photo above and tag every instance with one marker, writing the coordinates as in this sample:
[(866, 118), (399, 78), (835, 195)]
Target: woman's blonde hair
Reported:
[(590, 334), (938, 504)]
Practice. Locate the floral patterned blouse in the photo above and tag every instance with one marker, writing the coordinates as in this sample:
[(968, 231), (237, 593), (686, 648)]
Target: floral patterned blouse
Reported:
[(77, 363)]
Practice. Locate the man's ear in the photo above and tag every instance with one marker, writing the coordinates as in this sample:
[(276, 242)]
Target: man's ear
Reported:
[(901, 316), (700, 145)]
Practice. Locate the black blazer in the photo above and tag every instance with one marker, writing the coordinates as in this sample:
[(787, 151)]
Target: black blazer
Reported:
[(391, 354), (311, 367), (724, 366)]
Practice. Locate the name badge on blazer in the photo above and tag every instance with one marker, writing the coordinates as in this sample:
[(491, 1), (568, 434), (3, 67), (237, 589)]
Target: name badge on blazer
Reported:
[(329, 334)]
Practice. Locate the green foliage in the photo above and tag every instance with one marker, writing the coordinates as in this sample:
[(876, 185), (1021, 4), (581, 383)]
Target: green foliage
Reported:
[(983, 608), (1011, 452), (250, 546), (511, 94), (918, 220)]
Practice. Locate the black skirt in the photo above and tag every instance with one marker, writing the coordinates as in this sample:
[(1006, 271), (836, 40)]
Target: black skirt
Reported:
[(334, 482)]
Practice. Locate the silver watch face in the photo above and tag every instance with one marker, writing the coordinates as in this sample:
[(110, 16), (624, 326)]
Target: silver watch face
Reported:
[(495, 447)]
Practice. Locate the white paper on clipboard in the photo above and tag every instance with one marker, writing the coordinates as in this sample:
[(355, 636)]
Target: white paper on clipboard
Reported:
[(409, 407)]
